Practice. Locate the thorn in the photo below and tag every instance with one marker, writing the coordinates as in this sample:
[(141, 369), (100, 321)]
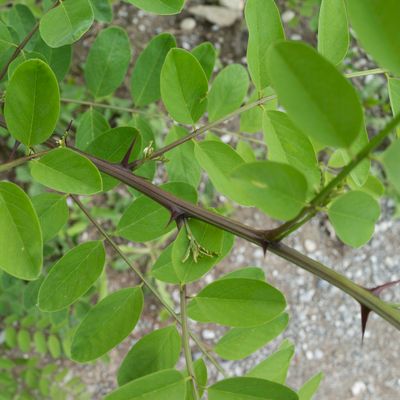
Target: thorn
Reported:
[(69, 127), (178, 216), (264, 246), (127, 156), (365, 311)]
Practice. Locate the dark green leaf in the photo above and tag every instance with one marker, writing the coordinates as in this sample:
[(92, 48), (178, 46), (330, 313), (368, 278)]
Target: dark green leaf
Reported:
[(145, 84), (20, 234), (107, 324), (72, 276), (390, 160), (206, 55), (102, 10), (108, 61), (91, 125), (154, 352)]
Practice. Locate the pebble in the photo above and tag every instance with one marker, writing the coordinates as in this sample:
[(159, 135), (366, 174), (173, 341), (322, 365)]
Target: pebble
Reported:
[(287, 16), (208, 334), (358, 388), (310, 245), (188, 24), (220, 16), (233, 4)]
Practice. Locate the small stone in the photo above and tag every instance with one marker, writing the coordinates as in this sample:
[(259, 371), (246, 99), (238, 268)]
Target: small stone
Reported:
[(208, 335), (233, 4), (358, 388), (220, 16), (288, 15), (188, 24), (310, 245)]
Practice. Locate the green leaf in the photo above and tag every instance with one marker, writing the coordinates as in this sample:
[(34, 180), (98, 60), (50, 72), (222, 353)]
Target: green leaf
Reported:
[(163, 269), (183, 86), (201, 375), (112, 145), (10, 336), (20, 234), (59, 59), (146, 220), (218, 160), (7, 44), (394, 95), (162, 385), (390, 159), (72, 276), (22, 21), (206, 55), (66, 23), (40, 342), (241, 342), (265, 28), (161, 7), (237, 302), (372, 186), (228, 91), (353, 215), (108, 61), (107, 324), (145, 83), (53, 213), (32, 103), (309, 389), (24, 340), (244, 388), (289, 145), (276, 366), (187, 267), (181, 165), (67, 171), (277, 189), (318, 99), (54, 346), (333, 30), (102, 10), (245, 151), (154, 352), (91, 125), (376, 26), (247, 272)]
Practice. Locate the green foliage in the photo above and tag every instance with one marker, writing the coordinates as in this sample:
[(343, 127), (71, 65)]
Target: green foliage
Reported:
[(162, 7), (32, 103)]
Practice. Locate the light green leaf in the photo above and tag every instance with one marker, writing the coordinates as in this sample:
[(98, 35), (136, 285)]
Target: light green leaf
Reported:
[(353, 215), (72, 276), (219, 160), (318, 99), (21, 242), (32, 103), (247, 272), (181, 165), (309, 389), (372, 186), (390, 159), (183, 86), (24, 340), (245, 388), (376, 26), (187, 267), (54, 346), (107, 324), (162, 385), (276, 366), (7, 44), (52, 211), (146, 220), (108, 61), (145, 83), (154, 352), (228, 91), (161, 7), (333, 30), (241, 342), (91, 125), (40, 342), (67, 171), (265, 28), (277, 189), (237, 302), (102, 10), (22, 21), (59, 59), (245, 151), (289, 145), (206, 55), (66, 23)]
